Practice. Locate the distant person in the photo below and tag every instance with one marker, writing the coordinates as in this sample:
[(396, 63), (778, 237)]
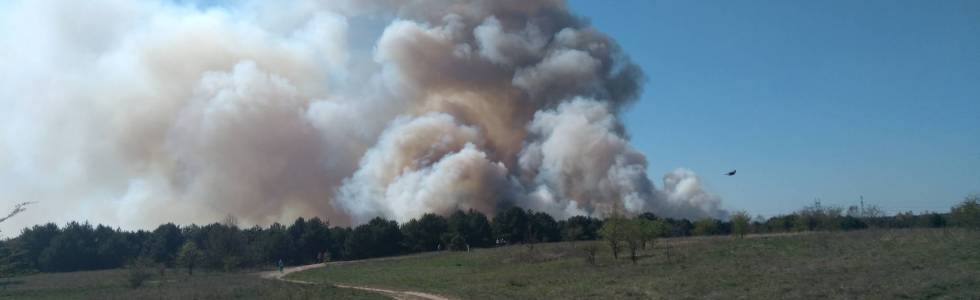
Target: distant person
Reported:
[(280, 265)]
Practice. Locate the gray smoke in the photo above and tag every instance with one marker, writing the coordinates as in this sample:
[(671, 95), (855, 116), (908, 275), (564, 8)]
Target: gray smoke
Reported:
[(140, 112)]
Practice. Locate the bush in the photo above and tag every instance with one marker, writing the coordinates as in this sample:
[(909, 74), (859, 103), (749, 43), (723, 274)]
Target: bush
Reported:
[(967, 214), (188, 256), (138, 272)]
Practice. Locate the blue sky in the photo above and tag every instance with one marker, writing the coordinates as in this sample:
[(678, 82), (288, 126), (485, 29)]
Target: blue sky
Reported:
[(807, 99)]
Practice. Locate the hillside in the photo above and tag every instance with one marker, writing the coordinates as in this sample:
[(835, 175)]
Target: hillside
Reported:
[(865, 264)]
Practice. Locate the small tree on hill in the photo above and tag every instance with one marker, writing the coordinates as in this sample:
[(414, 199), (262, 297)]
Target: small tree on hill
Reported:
[(633, 234), (650, 230), (740, 224), (613, 231), (188, 256)]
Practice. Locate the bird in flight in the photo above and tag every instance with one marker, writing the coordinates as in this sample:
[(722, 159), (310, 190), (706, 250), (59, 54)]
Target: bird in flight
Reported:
[(730, 173)]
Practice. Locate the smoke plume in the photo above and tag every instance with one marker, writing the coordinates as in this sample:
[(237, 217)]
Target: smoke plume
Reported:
[(142, 112)]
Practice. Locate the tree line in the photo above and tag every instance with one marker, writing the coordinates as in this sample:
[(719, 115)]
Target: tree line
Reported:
[(226, 246)]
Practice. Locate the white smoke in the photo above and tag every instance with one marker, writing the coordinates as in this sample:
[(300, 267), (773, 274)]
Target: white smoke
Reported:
[(142, 112)]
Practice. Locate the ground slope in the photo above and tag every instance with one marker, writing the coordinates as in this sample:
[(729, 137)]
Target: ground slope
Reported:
[(111, 284), (395, 294), (884, 264)]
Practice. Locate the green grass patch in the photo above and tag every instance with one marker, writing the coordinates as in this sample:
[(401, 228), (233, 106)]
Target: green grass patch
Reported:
[(876, 264), (111, 284)]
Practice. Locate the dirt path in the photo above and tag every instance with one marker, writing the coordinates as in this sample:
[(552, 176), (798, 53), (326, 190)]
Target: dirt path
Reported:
[(395, 294)]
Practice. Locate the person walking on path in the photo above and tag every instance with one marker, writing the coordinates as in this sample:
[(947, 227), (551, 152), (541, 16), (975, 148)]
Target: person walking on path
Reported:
[(280, 265)]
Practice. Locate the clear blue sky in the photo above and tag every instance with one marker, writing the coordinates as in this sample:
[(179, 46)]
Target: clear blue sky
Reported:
[(807, 99)]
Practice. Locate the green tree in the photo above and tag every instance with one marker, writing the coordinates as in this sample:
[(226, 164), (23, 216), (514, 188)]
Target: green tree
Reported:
[(425, 233), (580, 228), (633, 236), (338, 238), (12, 260), (472, 226), (111, 248), (511, 225), (164, 243), (614, 231), (73, 249), (933, 220), (967, 213), (379, 237), (651, 230), (32, 241), (316, 238), (481, 232), (740, 224), (706, 227), (276, 244), (544, 227), (188, 256), (224, 247)]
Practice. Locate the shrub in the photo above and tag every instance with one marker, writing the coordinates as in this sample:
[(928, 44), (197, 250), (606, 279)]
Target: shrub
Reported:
[(967, 214), (138, 272)]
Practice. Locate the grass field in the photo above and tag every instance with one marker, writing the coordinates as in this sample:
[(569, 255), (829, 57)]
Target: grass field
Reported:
[(876, 264), (111, 284)]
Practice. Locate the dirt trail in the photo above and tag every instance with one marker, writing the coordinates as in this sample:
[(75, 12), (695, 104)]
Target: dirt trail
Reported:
[(395, 294)]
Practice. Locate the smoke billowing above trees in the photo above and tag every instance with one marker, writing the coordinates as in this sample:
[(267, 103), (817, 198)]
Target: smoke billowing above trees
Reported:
[(141, 113)]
